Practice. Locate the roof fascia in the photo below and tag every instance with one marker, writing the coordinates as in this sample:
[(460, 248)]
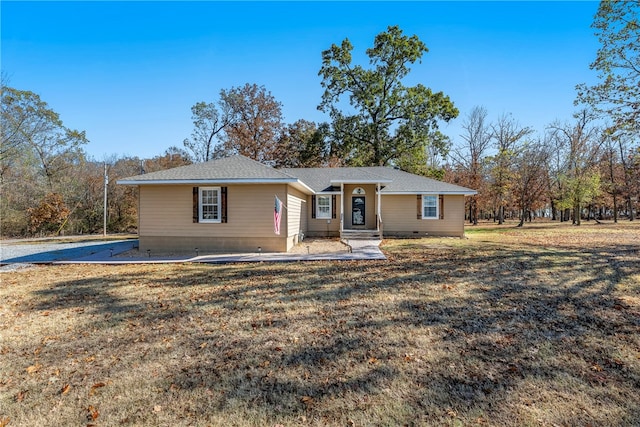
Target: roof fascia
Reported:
[(302, 186), (213, 181), (296, 183), (451, 193), (361, 181)]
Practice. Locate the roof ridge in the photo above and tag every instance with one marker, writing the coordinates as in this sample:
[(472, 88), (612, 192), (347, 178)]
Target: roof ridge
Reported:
[(279, 170)]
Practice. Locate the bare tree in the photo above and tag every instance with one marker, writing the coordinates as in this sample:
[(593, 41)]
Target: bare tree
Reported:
[(208, 123), (578, 147), (530, 176), (506, 134), (30, 126), (256, 122), (630, 164), (37, 156), (469, 157), (610, 165)]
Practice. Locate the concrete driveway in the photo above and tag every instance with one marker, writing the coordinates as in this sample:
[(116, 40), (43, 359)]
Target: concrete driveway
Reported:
[(100, 252), (47, 251)]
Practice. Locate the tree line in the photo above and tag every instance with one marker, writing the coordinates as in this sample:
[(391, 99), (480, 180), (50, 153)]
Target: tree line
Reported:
[(585, 167), (49, 186), (575, 170)]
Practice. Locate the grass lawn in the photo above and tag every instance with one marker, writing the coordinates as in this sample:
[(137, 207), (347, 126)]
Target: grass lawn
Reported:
[(513, 326)]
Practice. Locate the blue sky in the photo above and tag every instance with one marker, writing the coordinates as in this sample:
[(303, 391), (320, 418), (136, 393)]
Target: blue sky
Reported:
[(128, 72)]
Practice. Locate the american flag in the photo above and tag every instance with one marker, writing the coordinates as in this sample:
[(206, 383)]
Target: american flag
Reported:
[(277, 216)]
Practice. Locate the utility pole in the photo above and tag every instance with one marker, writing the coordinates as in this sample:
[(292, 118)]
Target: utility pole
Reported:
[(104, 210)]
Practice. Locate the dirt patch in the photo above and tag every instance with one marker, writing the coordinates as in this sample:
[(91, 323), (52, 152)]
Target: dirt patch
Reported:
[(308, 246), (319, 246)]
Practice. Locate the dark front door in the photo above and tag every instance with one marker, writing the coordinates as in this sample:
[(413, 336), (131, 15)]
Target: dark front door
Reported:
[(357, 210)]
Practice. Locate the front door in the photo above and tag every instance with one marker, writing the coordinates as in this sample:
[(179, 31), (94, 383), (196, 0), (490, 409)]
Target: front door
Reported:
[(357, 210)]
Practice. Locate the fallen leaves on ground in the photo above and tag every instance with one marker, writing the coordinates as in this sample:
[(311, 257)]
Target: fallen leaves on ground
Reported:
[(510, 327)]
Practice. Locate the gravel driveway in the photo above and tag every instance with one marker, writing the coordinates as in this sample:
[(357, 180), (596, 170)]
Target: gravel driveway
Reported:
[(37, 252)]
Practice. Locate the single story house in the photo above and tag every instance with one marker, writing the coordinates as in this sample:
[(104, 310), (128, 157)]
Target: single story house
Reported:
[(236, 204)]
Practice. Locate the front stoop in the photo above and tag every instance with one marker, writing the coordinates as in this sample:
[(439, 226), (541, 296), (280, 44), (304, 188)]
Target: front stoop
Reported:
[(361, 235)]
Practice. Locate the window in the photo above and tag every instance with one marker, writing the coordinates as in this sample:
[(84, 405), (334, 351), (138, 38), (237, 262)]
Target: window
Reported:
[(430, 207), (358, 191), (209, 204), (323, 207)]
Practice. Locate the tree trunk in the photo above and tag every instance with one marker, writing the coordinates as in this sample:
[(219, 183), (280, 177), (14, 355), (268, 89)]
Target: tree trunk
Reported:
[(576, 214), (475, 212), (627, 178), (523, 211)]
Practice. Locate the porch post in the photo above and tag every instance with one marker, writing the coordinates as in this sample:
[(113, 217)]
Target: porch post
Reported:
[(341, 208), (378, 208)]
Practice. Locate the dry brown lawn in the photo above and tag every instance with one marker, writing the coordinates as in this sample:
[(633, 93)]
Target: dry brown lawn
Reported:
[(532, 326)]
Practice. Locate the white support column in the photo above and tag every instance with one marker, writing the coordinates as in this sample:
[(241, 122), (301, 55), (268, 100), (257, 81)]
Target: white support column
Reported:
[(379, 211), (341, 207)]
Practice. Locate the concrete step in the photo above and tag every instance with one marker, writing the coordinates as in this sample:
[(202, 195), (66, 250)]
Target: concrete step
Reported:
[(361, 235)]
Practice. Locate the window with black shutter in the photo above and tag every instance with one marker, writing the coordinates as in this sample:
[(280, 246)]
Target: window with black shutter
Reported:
[(196, 205), (210, 204)]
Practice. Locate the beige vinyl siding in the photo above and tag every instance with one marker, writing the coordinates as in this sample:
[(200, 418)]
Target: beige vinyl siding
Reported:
[(323, 227), (304, 214), (295, 203), (166, 211), (399, 216)]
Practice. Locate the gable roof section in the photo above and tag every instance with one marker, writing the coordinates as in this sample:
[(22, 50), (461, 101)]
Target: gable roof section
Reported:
[(227, 170), (393, 181), (407, 183), (327, 180), (243, 170)]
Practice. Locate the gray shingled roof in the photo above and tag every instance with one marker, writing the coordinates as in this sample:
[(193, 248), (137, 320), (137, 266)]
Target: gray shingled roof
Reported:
[(404, 182), (320, 179), (228, 168), (393, 180), (243, 169)]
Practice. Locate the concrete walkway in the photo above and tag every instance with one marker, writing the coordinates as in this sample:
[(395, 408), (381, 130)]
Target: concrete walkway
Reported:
[(360, 250)]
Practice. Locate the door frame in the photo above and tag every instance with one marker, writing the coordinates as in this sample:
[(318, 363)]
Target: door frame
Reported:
[(362, 209)]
